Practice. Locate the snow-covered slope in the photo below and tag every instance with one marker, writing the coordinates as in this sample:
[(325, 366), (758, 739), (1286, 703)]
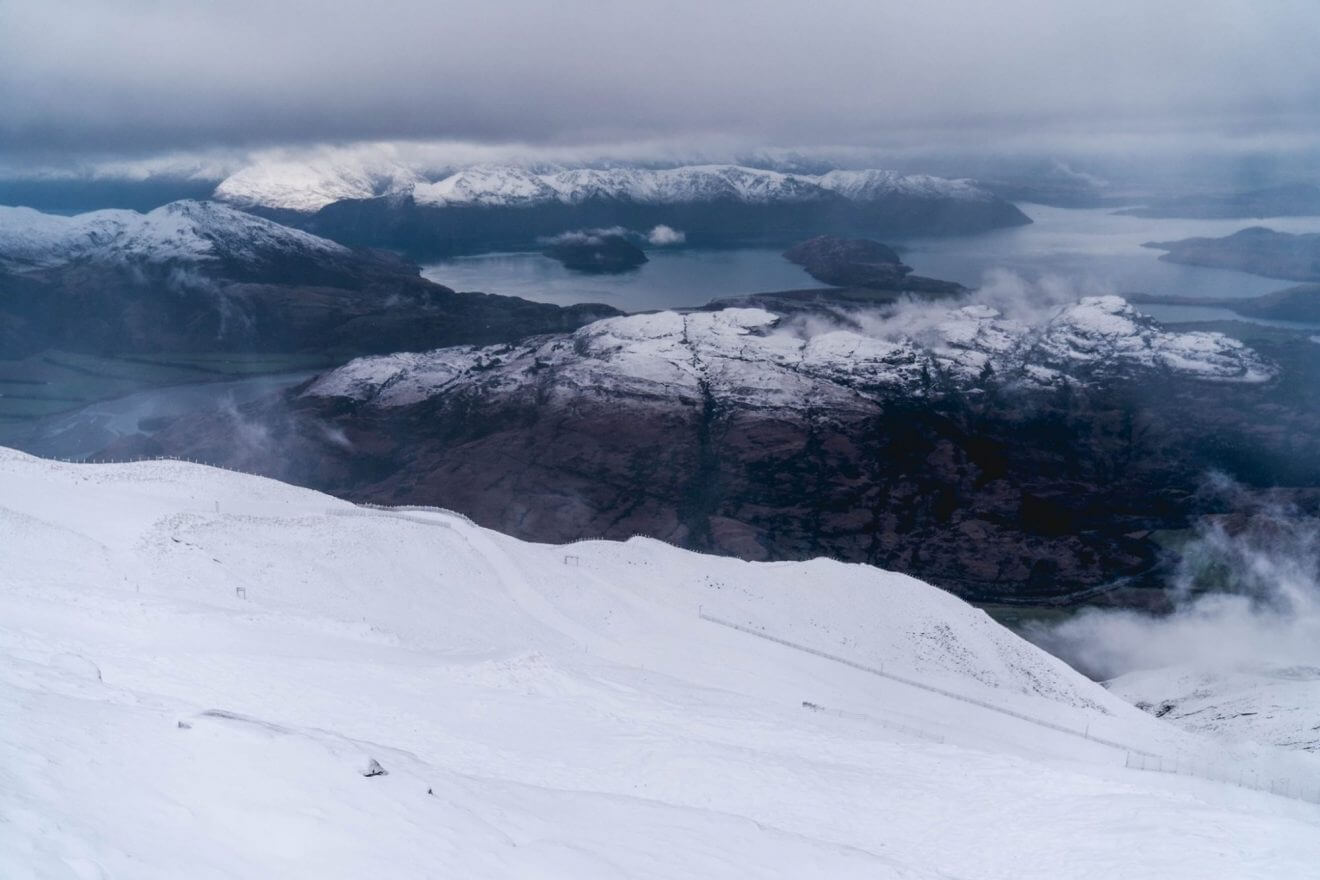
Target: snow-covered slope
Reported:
[(198, 670), (309, 186), (757, 358), (1279, 705), (511, 185), (184, 231)]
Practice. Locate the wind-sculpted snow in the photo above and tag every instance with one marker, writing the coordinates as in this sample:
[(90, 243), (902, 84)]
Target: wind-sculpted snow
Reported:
[(511, 185), (183, 231), (759, 359)]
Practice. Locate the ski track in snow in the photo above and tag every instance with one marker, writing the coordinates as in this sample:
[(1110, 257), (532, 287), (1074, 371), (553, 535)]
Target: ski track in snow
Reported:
[(540, 711)]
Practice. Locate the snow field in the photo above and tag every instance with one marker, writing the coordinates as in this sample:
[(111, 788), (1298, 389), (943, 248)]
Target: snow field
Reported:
[(536, 717)]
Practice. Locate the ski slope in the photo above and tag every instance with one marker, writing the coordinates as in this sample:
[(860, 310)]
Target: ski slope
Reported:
[(198, 668)]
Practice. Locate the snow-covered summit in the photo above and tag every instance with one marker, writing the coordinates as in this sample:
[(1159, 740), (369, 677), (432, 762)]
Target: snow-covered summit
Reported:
[(309, 186), (184, 231), (870, 184), (758, 358)]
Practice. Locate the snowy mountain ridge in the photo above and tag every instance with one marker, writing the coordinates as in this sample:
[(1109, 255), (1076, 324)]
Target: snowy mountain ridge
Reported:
[(184, 231), (309, 186), (236, 677), (760, 359), (510, 185)]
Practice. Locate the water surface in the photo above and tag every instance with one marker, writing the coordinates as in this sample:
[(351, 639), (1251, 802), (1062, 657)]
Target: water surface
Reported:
[(1087, 251), (671, 278)]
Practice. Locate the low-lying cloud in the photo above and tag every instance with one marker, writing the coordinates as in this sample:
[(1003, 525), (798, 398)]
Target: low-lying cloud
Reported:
[(142, 76), (665, 236), (1031, 303), (1246, 595)]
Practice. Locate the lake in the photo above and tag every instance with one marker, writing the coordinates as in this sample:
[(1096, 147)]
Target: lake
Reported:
[(1086, 250), (672, 278)]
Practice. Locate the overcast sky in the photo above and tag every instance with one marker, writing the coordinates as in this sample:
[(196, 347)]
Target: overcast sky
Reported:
[(139, 77)]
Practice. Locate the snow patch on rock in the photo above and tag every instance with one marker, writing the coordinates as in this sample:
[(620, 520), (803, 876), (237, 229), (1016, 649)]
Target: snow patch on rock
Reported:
[(755, 357)]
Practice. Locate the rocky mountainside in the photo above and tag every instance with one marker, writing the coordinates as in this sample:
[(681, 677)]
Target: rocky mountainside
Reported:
[(1260, 251), (493, 207), (510, 185), (203, 277), (998, 458), (184, 233)]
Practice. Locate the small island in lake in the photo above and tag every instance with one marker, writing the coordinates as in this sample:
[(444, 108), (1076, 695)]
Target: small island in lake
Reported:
[(596, 252)]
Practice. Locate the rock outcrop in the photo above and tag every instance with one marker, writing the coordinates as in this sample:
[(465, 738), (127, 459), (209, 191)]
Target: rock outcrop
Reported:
[(1000, 459)]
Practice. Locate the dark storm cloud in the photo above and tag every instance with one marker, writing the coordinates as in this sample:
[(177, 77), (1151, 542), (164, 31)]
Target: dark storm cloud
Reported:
[(133, 76)]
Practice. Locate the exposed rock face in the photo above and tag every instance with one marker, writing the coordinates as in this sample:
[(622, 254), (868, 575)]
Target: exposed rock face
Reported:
[(860, 262), (996, 459), (201, 277), (596, 253), (1257, 250)]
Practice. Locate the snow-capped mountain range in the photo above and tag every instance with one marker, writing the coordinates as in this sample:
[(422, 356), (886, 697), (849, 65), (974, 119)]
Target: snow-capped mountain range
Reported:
[(307, 187), (505, 186), (209, 674), (181, 232), (759, 359)]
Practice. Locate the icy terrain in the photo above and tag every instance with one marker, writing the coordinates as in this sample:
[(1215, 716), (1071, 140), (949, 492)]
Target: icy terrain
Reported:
[(757, 358), (209, 675), (184, 231)]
